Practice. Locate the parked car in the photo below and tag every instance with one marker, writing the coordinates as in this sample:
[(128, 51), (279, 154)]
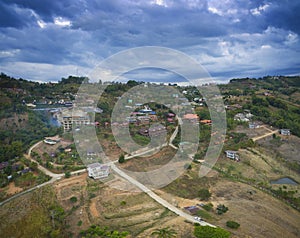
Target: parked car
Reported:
[(198, 218)]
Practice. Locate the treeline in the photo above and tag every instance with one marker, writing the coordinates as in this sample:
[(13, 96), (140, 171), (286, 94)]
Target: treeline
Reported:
[(276, 112), (35, 128)]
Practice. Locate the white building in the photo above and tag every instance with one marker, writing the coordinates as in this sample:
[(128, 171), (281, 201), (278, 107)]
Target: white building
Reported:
[(52, 140), (97, 170), (253, 125), (244, 117), (232, 155), (285, 132)]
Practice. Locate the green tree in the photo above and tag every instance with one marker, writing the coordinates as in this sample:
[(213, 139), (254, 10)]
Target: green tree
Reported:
[(121, 159), (164, 233), (67, 174), (210, 232)]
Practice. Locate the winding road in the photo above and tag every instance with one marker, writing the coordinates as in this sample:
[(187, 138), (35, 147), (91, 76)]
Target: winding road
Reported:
[(55, 177)]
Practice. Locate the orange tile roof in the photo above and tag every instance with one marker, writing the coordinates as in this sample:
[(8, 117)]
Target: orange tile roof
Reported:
[(190, 116)]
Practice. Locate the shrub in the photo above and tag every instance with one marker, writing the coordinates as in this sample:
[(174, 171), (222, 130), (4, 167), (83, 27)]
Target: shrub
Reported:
[(204, 194), (67, 174), (121, 159), (208, 207), (232, 224), (221, 209), (73, 199), (210, 232)]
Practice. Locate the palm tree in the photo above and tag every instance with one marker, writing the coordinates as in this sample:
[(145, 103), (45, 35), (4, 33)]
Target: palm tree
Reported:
[(164, 233)]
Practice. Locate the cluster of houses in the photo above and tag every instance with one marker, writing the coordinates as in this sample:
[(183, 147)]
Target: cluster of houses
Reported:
[(20, 170), (152, 131), (243, 117)]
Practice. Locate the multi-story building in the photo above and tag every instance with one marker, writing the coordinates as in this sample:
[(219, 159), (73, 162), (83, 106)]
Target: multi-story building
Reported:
[(69, 119)]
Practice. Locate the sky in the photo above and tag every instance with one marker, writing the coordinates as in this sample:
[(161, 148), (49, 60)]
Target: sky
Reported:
[(50, 39)]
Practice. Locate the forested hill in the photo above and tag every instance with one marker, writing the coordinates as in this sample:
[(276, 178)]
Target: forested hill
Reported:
[(19, 125), (273, 100)]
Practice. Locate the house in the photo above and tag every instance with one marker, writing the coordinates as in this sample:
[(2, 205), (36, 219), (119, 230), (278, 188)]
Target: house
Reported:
[(31, 105), (192, 209), (207, 122), (98, 171), (52, 140), (191, 117), (285, 132), (170, 120), (245, 117), (146, 109), (233, 107), (90, 153), (253, 125), (232, 155), (152, 131), (3, 165)]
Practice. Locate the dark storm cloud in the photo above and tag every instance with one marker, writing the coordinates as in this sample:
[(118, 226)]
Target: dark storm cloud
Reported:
[(12, 16), (228, 37)]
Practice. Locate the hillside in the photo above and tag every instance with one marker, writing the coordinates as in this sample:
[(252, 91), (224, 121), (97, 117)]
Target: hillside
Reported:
[(240, 190)]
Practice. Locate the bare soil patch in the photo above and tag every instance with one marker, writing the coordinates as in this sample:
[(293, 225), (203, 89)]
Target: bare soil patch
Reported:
[(13, 189)]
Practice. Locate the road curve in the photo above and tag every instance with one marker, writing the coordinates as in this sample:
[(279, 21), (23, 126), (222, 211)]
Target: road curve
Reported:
[(143, 188), (54, 177), (158, 198)]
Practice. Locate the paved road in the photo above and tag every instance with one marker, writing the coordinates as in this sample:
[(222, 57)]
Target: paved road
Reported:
[(158, 198), (143, 188), (145, 152), (173, 137)]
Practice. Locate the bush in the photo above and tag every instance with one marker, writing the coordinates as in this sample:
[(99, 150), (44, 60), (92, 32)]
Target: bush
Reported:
[(210, 232), (221, 209), (208, 207), (232, 224), (204, 194), (73, 199), (121, 159), (67, 174)]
